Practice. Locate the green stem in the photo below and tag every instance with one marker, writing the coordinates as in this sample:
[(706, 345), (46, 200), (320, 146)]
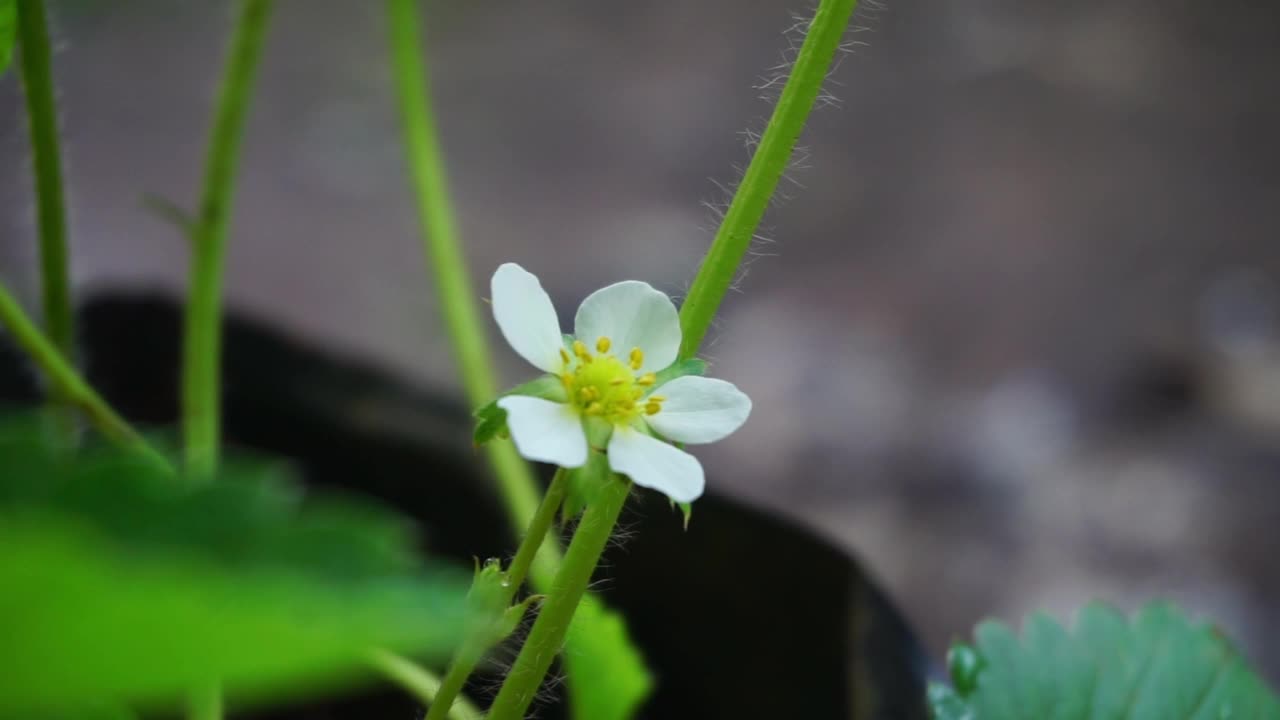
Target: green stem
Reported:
[(51, 215), (202, 340), (62, 376), (205, 703), (421, 682), (761, 179), (547, 634), (708, 289), (465, 661), (444, 250)]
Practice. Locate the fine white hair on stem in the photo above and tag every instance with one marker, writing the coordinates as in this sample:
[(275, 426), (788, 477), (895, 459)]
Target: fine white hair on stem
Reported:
[(769, 88)]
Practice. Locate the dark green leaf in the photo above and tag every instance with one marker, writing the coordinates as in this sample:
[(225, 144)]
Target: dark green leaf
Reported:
[(120, 584), (1158, 666), (963, 665)]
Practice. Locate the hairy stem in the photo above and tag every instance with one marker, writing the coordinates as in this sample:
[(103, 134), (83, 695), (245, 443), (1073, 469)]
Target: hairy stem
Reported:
[(51, 215), (464, 662), (61, 375), (749, 203), (202, 340), (422, 683), (547, 634), (709, 286)]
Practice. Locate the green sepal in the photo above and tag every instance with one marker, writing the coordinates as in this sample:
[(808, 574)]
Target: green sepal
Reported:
[(513, 615), (492, 620), (686, 509), (8, 32), (585, 484), (491, 420), (692, 366)]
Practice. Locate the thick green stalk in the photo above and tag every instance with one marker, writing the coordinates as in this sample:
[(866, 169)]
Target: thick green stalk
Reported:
[(61, 375), (547, 634), (447, 265), (202, 341), (709, 286), (421, 682), (51, 215), (767, 165)]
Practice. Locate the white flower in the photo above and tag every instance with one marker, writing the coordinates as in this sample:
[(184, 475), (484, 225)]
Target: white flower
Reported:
[(625, 334)]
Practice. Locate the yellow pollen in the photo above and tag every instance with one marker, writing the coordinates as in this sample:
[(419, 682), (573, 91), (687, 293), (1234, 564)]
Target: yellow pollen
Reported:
[(602, 385), (656, 398), (652, 408)]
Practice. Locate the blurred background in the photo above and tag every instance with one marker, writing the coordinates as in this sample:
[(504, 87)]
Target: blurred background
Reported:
[(1013, 335)]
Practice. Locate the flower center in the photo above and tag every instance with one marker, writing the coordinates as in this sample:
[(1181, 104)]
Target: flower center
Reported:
[(602, 385)]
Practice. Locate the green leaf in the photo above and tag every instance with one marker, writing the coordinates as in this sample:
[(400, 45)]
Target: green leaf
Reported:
[(610, 679), (1158, 666), (491, 420), (120, 584), (8, 32)]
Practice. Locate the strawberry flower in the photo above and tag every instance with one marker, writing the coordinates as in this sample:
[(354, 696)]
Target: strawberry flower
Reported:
[(612, 392)]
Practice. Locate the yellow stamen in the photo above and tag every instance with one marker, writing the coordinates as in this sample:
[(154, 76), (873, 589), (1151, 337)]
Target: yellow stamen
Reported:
[(602, 345), (637, 358), (656, 398), (595, 408), (564, 356), (580, 349), (647, 379), (652, 408)]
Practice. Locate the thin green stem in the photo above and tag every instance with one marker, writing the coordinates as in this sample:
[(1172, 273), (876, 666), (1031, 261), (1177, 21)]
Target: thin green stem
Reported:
[(547, 634), (708, 289), (202, 341), (447, 265), (464, 662), (761, 179), (421, 682), (62, 376), (51, 214)]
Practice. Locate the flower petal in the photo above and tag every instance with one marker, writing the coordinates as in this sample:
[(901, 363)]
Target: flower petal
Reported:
[(633, 315), (699, 409), (652, 463), (526, 317), (545, 431)]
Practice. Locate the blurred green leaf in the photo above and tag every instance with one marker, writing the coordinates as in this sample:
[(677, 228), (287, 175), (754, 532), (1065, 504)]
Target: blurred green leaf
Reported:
[(610, 679), (8, 32), (1158, 666), (120, 583)]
